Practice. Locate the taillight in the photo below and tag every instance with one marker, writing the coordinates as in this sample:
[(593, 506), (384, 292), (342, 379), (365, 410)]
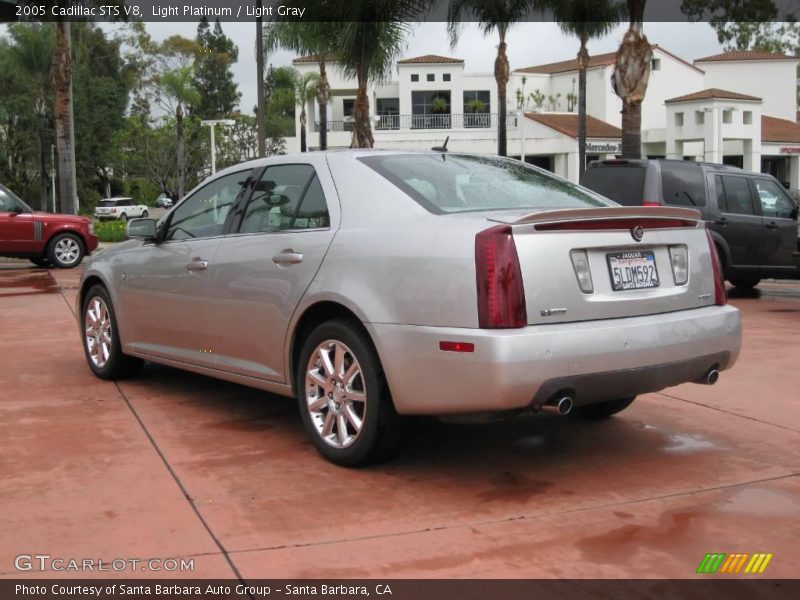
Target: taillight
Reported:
[(647, 203), (501, 297), (720, 297)]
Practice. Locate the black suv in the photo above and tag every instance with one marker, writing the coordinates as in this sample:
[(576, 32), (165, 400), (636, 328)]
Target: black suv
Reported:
[(751, 216)]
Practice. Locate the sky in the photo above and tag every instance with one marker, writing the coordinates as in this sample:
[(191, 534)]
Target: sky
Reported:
[(528, 44)]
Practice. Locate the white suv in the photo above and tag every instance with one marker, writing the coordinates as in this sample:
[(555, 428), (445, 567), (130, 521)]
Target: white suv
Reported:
[(119, 208)]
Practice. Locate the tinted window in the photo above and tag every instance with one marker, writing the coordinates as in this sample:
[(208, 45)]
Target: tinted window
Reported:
[(203, 213), (9, 202), (621, 183), (447, 183), (721, 204), (107, 203), (774, 202), (737, 195), (683, 184), (286, 197)]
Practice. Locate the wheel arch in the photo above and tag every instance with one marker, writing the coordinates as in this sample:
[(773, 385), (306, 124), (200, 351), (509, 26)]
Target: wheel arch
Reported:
[(65, 229), (723, 250)]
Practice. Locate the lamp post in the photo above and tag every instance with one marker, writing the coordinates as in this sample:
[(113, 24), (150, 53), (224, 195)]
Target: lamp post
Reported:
[(212, 123)]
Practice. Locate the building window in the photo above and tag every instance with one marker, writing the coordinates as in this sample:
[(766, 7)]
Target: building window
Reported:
[(747, 117), (699, 117), (727, 116), (655, 64), (414, 77), (388, 113), (678, 119), (477, 108), (430, 110), (431, 77), (446, 77), (347, 107)]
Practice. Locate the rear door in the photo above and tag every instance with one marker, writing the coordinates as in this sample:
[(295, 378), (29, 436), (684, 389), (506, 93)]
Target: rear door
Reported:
[(260, 273), (738, 222), (779, 220)]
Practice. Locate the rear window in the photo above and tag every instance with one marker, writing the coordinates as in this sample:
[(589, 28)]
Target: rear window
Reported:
[(622, 183), (453, 183), (107, 203), (683, 184)]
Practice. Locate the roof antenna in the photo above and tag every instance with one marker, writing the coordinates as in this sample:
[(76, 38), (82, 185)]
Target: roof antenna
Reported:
[(443, 147)]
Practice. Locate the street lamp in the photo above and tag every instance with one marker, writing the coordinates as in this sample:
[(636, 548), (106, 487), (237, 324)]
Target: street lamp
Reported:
[(212, 123)]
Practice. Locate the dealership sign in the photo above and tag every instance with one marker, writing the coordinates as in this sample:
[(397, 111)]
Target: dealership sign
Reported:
[(786, 150), (603, 147)]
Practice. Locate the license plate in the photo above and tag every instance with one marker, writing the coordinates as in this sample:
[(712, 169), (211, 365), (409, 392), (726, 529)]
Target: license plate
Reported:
[(634, 270)]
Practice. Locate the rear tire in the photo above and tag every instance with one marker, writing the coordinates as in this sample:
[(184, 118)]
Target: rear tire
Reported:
[(145, 214), (123, 217), (101, 338), (602, 410), (343, 397), (66, 251), (744, 282)]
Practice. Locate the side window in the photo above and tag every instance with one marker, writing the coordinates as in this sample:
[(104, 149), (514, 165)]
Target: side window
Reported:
[(683, 185), (723, 207), (8, 203), (774, 202), (738, 200), (286, 197), (203, 213)]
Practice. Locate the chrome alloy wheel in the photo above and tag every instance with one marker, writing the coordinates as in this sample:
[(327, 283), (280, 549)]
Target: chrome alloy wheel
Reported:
[(336, 394), (67, 250), (97, 324)]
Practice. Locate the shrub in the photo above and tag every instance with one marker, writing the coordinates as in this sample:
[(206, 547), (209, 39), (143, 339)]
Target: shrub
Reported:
[(110, 231)]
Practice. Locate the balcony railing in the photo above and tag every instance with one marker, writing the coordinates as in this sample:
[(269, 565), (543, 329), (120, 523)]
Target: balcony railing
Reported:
[(432, 121)]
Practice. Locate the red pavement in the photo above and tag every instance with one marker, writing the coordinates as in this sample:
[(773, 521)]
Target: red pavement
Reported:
[(173, 464)]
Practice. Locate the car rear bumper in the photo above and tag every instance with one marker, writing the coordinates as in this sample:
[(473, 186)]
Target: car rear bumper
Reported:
[(519, 368)]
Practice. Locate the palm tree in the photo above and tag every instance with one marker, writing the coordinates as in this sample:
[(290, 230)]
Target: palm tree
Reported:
[(491, 15), (371, 35), (318, 39), (64, 124), (585, 19), (32, 53), (261, 122), (305, 90), (631, 74), (177, 91)]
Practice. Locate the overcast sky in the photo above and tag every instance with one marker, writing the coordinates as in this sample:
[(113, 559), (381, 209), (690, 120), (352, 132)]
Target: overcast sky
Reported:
[(528, 44)]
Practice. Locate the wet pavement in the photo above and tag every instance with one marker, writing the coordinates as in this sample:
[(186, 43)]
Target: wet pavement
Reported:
[(173, 464)]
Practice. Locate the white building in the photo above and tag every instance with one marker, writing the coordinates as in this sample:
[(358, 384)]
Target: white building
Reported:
[(736, 107)]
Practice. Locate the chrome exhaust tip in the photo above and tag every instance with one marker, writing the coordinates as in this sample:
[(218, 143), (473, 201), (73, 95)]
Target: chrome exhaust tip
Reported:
[(710, 378), (560, 406)]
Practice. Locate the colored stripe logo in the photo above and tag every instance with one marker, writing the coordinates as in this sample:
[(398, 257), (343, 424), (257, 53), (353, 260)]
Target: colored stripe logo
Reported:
[(719, 562)]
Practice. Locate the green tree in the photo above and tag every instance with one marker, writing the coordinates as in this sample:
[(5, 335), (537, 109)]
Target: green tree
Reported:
[(308, 38), (280, 102), (492, 15), (304, 92), (746, 24), (585, 19), (630, 78), (213, 78)]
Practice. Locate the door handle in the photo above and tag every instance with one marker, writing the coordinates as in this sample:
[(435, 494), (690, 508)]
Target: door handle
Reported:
[(197, 264), (723, 222), (288, 257), (771, 226)]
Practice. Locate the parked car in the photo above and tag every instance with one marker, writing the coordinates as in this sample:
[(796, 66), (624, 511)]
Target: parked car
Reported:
[(752, 218), (164, 201), (372, 286), (119, 208), (60, 240)]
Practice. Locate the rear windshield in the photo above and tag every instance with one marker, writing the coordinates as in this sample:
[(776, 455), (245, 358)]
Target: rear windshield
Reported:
[(621, 183), (453, 183), (683, 184), (107, 203)]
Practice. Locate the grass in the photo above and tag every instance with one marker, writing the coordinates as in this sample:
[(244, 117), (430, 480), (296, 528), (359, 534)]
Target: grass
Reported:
[(110, 231)]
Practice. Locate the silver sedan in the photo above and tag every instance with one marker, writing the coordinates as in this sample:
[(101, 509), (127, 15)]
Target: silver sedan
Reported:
[(376, 285)]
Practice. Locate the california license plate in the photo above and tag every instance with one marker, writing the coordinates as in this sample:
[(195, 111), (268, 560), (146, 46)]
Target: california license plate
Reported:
[(633, 270)]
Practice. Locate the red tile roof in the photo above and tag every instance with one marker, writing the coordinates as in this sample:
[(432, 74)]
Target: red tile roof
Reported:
[(308, 59), (567, 123), (598, 60), (744, 55), (430, 59), (712, 93), (779, 130)]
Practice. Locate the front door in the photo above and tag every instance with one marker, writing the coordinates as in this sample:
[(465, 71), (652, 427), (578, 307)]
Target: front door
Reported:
[(164, 296), (779, 219), (261, 272), (738, 222)]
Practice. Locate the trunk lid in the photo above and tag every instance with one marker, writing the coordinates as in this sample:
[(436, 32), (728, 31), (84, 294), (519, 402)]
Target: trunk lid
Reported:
[(627, 250)]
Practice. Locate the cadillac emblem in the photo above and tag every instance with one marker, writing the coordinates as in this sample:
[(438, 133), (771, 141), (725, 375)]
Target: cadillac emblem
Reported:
[(637, 233)]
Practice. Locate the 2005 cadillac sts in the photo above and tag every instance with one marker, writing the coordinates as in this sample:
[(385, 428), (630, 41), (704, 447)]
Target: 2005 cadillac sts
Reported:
[(376, 285)]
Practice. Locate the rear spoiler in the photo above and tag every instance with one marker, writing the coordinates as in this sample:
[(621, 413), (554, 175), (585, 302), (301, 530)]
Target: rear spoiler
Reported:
[(605, 214)]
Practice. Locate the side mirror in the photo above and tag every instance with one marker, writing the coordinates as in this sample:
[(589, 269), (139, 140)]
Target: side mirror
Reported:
[(141, 229)]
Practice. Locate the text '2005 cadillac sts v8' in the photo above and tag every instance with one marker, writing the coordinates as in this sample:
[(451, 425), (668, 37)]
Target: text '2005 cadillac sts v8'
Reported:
[(376, 285)]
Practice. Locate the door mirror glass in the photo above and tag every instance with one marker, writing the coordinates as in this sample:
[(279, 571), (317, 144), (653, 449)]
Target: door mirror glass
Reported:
[(141, 229)]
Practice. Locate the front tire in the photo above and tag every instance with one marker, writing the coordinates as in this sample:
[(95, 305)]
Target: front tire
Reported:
[(343, 397), (66, 250), (101, 339), (744, 282), (603, 410)]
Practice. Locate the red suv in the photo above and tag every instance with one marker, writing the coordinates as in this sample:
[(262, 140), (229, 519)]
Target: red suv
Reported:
[(61, 240)]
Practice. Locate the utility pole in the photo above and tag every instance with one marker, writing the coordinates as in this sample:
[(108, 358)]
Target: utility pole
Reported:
[(260, 116), (212, 123)]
